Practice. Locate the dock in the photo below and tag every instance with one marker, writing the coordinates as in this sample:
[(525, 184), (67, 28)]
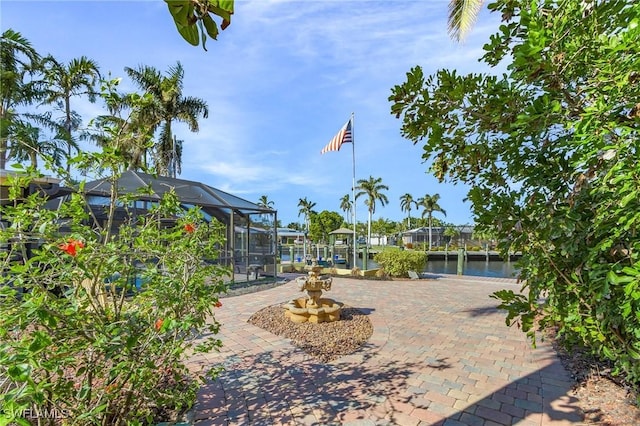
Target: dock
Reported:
[(490, 255)]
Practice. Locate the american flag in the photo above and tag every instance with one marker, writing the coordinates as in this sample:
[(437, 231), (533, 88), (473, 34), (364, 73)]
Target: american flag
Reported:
[(343, 136)]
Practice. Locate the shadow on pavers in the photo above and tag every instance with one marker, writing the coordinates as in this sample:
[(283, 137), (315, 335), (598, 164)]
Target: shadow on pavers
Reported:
[(270, 388)]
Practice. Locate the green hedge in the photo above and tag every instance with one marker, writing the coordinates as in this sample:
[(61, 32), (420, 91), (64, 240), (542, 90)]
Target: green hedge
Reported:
[(396, 263)]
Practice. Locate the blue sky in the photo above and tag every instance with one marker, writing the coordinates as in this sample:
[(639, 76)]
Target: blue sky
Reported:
[(280, 82)]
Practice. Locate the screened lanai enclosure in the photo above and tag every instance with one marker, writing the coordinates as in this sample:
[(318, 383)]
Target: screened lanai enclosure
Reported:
[(251, 234)]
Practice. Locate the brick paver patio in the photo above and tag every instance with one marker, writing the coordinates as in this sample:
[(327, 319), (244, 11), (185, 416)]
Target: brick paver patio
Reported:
[(440, 354)]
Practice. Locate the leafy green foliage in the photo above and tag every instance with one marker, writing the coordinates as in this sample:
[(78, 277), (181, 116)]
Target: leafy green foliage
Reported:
[(17, 58), (194, 20), (167, 105), (550, 150), (100, 313), (383, 227), (322, 224), (397, 263), (372, 189), (306, 210)]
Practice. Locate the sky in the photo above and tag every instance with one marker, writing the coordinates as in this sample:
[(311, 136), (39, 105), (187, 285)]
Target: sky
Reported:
[(280, 82)]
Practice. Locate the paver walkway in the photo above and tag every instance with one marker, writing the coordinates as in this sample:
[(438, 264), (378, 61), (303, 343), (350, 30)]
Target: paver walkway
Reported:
[(440, 354)]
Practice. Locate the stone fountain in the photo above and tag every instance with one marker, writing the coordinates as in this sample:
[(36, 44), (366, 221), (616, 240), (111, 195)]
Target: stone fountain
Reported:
[(314, 308)]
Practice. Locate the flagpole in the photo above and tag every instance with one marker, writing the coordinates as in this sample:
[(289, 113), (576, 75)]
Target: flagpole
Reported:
[(353, 186), (346, 135)]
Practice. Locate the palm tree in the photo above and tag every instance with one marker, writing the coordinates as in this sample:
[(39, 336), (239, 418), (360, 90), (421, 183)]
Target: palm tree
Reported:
[(125, 128), (17, 59), (306, 209), (451, 232), (462, 16), (346, 207), (63, 82), (265, 202), (406, 201), (372, 188), (168, 105), (29, 144), (430, 204)]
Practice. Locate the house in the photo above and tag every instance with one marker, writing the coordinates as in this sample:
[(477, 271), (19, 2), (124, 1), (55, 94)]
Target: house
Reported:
[(419, 236), (288, 236), (245, 246), (45, 186)]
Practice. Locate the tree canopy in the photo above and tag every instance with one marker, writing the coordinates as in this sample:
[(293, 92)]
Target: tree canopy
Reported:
[(550, 150), (406, 201), (265, 202), (322, 224), (169, 105), (64, 81), (430, 204), (18, 58), (372, 189)]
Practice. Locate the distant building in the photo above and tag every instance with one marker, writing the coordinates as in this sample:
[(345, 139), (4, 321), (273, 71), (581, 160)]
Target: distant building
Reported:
[(379, 240), (438, 238), (290, 236), (245, 245)]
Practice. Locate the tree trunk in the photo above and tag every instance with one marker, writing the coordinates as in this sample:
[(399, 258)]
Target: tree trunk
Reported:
[(369, 230), (429, 232), (67, 127), (3, 155)]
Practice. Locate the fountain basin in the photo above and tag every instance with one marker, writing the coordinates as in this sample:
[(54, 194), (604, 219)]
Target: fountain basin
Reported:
[(306, 310)]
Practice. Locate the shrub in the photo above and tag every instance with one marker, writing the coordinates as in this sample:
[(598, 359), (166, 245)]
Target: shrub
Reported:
[(398, 263), (97, 322)]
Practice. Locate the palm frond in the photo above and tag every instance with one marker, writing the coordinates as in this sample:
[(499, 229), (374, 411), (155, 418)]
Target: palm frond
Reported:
[(462, 15)]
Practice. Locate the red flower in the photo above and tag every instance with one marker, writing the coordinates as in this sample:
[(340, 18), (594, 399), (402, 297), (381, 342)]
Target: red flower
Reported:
[(159, 323), (189, 228), (218, 304), (71, 246)]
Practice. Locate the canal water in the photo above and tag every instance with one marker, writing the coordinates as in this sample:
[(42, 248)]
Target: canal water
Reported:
[(480, 268)]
